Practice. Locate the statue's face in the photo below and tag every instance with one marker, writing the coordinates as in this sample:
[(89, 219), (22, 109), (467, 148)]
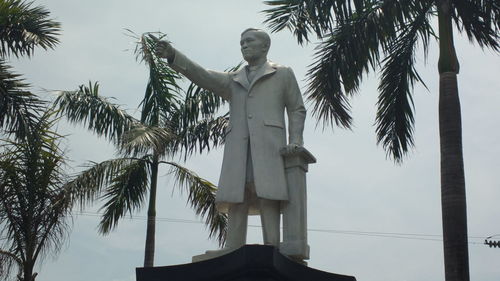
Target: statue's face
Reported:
[(252, 47)]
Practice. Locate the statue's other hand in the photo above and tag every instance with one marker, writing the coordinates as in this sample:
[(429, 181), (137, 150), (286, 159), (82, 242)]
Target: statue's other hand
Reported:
[(290, 149)]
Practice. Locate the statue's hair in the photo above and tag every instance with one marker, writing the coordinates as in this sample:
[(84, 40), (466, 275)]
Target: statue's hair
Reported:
[(261, 34)]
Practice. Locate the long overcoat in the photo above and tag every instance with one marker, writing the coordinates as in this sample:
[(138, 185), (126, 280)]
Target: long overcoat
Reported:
[(256, 116)]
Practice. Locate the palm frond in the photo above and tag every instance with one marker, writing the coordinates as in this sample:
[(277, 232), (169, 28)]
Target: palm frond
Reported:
[(143, 139), (395, 119), (162, 91), (126, 193), (480, 19), (350, 50), (331, 103), (202, 136), (10, 211), (198, 104), (201, 197), (303, 17), (340, 62), (24, 27), (8, 261), (294, 15), (96, 112), (195, 120), (355, 33), (88, 185), (18, 107), (53, 228)]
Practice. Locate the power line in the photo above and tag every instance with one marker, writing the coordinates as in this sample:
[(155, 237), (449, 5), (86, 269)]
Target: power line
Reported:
[(396, 235)]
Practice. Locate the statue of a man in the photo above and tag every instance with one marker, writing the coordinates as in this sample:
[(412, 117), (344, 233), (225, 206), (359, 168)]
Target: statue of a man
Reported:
[(252, 180)]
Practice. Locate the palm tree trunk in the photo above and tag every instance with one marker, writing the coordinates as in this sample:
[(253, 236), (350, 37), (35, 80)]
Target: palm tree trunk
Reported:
[(28, 271), (29, 243), (149, 251), (453, 202)]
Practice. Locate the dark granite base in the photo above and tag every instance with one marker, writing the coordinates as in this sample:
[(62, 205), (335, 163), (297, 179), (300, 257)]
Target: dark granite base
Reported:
[(249, 263)]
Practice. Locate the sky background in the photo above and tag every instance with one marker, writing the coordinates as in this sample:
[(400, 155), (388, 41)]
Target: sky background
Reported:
[(353, 187)]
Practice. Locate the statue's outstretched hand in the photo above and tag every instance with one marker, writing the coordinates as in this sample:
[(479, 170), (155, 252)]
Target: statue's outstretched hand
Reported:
[(163, 48)]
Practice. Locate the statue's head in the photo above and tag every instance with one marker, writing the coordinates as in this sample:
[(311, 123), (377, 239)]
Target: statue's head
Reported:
[(255, 44)]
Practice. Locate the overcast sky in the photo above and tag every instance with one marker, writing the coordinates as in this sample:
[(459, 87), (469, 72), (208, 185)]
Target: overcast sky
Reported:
[(392, 212)]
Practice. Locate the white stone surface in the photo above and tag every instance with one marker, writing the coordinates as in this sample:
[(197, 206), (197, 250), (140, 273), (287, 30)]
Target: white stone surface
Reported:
[(295, 209)]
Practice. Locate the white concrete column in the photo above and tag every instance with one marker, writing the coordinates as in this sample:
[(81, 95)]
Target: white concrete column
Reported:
[(294, 211)]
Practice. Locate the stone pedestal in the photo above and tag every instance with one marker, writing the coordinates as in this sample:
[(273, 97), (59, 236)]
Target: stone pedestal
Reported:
[(211, 254), (294, 211), (249, 263)]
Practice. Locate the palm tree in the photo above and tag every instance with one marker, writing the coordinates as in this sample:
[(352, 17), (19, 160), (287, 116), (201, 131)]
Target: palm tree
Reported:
[(22, 28), (361, 35), (170, 124), (35, 203)]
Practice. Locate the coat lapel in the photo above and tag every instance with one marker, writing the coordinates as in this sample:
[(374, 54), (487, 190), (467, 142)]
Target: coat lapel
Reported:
[(265, 70), (240, 76)]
